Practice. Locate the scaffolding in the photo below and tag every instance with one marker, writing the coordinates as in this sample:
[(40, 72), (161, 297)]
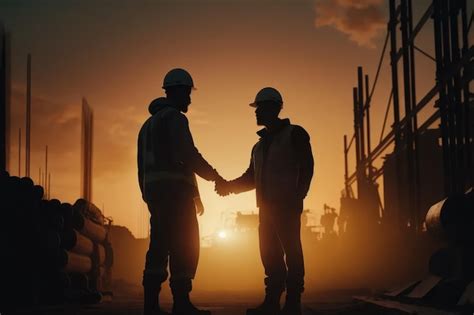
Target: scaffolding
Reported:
[(4, 98), (453, 102)]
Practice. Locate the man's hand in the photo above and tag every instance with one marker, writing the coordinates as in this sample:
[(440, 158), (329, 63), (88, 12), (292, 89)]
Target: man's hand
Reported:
[(199, 206), (222, 187)]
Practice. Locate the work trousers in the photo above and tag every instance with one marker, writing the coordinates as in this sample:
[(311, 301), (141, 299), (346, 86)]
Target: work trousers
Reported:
[(174, 238), (281, 250)]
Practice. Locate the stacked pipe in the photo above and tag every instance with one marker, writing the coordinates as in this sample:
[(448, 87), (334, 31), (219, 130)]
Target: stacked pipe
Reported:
[(452, 222), (52, 252)]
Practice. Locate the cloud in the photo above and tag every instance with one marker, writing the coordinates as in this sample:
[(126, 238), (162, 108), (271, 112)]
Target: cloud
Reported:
[(361, 20)]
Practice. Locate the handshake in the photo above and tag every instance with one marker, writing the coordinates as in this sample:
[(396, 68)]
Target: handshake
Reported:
[(223, 187)]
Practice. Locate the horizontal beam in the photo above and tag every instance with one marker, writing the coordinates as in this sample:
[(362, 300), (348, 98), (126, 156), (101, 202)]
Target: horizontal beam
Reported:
[(436, 115), (417, 29), (384, 144)]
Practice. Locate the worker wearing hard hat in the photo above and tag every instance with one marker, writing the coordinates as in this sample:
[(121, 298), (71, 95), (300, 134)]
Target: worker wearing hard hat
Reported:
[(281, 169), (167, 164)]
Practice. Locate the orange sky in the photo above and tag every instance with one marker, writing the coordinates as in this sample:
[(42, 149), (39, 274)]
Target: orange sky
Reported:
[(115, 53)]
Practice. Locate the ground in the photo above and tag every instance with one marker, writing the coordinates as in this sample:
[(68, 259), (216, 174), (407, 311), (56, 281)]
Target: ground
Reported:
[(226, 304)]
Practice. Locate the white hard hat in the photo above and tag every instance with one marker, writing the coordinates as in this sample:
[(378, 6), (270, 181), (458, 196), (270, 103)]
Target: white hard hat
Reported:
[(177, 77), (267, 94)]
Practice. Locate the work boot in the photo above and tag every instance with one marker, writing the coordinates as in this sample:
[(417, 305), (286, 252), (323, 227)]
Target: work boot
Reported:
[(292, 305), (151, 302), (270, 306), (182, 306)]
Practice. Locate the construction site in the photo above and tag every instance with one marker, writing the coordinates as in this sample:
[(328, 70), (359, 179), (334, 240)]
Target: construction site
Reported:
[(399, 242)]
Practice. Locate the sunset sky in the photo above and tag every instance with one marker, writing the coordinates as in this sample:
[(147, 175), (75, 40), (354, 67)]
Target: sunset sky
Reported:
[(115, 54)]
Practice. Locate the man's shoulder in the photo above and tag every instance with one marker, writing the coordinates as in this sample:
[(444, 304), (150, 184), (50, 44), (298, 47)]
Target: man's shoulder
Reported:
[(171, 114), (298, 132)]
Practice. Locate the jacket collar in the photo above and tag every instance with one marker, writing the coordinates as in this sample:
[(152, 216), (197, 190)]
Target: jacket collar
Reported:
[(282, 123)]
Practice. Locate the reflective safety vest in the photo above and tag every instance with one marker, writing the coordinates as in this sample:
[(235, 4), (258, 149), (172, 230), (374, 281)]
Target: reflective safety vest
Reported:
[(276, 171), (157, 159)]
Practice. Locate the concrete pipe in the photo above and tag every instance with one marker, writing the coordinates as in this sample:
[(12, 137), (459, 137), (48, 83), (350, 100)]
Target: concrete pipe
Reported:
[(90, 210), (83, 245), (77, 263), (77, 243), (452, 219), (92, 230)]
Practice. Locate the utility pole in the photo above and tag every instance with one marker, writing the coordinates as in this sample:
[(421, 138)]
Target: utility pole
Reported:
[(19, 152), (4, 99), (46, 172), (87, 150), (28, 117)]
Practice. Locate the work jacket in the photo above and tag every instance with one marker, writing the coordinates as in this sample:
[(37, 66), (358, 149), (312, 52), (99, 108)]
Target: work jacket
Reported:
[(281, 167), (167, 154)]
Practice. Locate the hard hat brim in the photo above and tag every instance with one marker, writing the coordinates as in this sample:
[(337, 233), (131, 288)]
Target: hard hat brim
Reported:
[(167, 86), (255, 105)]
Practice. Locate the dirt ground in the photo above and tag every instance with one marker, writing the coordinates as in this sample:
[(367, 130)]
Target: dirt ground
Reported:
[(325, 303)]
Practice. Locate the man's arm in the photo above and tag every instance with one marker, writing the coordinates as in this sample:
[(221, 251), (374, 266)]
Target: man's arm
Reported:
[(245, 182), (185, 150), (305, 159), (139, 162)]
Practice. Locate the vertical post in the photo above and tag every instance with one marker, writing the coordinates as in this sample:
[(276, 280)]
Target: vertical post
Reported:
[(408, 127), (19, 152), (369, 147), (441, 102), (466, 96), (445, 27), (360, 89), (356, 127), (46, 171), (346, 168), (394, 70), (459, 111), (49, 186), (28, 117), (392, 25), (4, 101), (357, 140), (416, 166), (87, 150)]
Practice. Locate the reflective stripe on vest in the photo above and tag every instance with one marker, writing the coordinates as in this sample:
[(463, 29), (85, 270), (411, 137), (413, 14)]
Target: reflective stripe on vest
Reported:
[(165, 175), (149, 162)]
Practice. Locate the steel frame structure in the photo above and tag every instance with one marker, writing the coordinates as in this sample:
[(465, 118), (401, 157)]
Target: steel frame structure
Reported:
[(454, 72)]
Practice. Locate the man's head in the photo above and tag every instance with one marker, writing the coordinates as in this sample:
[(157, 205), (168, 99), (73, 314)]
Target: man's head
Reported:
[(178, 85), (268, 104)]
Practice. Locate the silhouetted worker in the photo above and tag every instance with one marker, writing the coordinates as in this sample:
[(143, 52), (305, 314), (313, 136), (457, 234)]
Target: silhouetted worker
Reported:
[(328, 219), (167, 164), (281, 169)]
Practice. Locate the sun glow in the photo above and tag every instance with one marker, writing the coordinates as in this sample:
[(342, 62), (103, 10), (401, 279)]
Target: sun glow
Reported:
[(222, 234)]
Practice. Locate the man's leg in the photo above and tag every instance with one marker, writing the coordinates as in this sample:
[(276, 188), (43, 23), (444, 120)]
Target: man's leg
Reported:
[(156, 262), (288, 225), (184, 256), (272, 256)]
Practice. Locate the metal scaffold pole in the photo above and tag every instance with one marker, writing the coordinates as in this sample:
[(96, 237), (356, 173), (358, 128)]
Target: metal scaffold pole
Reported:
[(4, 99), (28, 117), (396, 101)]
